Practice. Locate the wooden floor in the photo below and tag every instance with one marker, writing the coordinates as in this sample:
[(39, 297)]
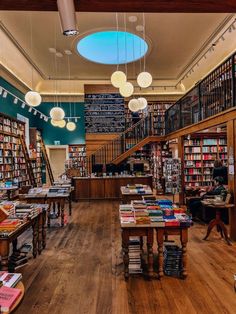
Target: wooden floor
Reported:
[(81, 272)]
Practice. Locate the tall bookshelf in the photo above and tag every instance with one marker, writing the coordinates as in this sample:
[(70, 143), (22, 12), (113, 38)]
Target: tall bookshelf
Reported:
[(200, 152), (13, 166), (77, 163), (35, 154)]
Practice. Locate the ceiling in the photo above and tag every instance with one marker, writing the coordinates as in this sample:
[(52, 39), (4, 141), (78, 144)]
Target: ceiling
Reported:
[(175, 42), (125, 6)]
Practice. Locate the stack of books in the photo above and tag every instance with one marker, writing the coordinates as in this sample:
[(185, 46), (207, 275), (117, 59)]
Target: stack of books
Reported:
[(135, 266), (26, 211), (9, 280), (127, 214), (173, 263), (9, 225)]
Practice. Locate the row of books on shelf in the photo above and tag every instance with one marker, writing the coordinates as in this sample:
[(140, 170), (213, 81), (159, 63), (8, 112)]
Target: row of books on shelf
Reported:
[(8, 139), (156, 213), (202, 177)]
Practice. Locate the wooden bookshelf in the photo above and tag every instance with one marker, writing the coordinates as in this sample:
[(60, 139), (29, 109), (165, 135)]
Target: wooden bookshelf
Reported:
[(13, 165), (35, 154), (200, 152), (77, 163)]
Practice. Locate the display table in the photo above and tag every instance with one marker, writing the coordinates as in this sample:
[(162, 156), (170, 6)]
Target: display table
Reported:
[(217, 220), (104, 187), (37, 223), (128, 194), (8, 190), (22, 288)]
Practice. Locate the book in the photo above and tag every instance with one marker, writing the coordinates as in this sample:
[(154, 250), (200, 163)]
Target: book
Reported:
[(8, 297), (10, 280), (3, 214)]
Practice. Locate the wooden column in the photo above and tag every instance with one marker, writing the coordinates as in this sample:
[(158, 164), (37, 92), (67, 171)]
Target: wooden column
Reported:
[(181, 156), (231, 151)]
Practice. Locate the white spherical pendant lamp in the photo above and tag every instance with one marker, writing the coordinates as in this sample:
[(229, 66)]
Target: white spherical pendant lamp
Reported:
[(144, 79), (71, 126), (118, 78), (54, 123), (57, 113), (61, 123), (33, 99), (143, 103), (133, 105), (127, 89)]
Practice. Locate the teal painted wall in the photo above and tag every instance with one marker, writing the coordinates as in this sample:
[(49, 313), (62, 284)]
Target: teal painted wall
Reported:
[(49, 132)]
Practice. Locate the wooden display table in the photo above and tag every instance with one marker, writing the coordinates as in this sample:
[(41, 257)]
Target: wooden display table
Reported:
[(104, 187), (217, 220), (148, 231), (22, 288), (37, 223), (128, 195), (8, 190)]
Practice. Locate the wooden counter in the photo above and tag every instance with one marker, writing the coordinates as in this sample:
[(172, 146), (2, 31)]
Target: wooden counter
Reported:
[(104, 188)]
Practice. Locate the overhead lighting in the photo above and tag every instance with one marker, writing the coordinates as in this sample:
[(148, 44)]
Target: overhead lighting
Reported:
[(127, 89), (30, 109), (142, 103), (1, 89), (33, 98), (15, 101), (4, 94), (52, 50), (67, 14), (139, 28), (68, 52), (35, 112), (144, 79), (57, 113), (23, 105), (71, 126), (134, 105), (118, 78), (61, 123), (132, 18), (54, 123), (59, 54), (46, 119)]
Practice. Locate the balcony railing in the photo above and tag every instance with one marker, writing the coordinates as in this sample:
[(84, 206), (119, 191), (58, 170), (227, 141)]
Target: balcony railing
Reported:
[(214, 94)]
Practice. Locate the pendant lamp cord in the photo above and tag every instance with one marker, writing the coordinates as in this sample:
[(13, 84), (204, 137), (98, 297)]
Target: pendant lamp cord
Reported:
[(144, 38), (31, 48), (117, 40), (126, 70)]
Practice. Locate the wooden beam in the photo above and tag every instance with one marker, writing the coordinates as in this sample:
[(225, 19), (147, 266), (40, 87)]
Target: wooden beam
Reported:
[(125, 6)]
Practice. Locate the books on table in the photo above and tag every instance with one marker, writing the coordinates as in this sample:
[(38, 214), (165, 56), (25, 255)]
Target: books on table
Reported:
[(8, 297), (10, 279)]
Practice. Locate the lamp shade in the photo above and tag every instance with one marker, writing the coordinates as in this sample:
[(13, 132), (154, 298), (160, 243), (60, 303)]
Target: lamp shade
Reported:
[(127, 89), (134, 105), (33, 99), (57, 113), (71, 126), (61, 123), (118, 78), (54, 123), (142, 102), (144, 79)]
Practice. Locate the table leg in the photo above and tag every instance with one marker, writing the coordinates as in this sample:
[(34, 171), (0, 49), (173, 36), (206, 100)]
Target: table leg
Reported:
[(9, 195), (211, 225), (4, 253), (150, 251), (35, 237), (40, 232), (184, 240), (70, 204), (160, 240), (125, 247), (14, 246), (48, 214), (62, 204), (44, 229), (225, 232)]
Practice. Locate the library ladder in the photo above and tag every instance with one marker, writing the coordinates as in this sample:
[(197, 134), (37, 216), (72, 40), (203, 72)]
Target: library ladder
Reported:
[(45, 156), (28, 162)]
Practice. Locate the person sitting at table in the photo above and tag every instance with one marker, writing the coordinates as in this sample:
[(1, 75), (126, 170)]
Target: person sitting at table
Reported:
[(195, 205), (220, 171)]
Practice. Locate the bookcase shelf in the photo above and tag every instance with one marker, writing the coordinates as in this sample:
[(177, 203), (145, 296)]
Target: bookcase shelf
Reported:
[(77, 163), (199, 159), (36, 155)]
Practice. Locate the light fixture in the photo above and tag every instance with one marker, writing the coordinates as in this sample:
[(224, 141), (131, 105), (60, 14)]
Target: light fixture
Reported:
[(57, 113), (71, 126), (41, 116), (127, 89), (1, 89), (134, 105), (35, 112), (15, 101), (52, 50), (30, 109), (139, 28), (68, 52), (4, 94), (54, 123), (61, 123), (118, 78), (33, 98), (59, 54), (23, 105), (67, 14), (132, 18), (144, 79), (142, 103), (46, 119)]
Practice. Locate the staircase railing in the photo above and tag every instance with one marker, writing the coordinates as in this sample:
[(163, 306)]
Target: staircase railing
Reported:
[(122, 143)]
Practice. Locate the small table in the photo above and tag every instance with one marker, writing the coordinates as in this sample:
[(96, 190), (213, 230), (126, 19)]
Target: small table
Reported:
[(9, 190), (217, 221), (18, 301)]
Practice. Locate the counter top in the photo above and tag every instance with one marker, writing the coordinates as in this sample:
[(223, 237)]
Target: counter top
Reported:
[(108, 177)]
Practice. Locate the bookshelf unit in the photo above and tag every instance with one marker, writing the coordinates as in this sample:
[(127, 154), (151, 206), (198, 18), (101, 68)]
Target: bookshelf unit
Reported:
[(13, 165), (77, 163), (200, 152), (35, 154)]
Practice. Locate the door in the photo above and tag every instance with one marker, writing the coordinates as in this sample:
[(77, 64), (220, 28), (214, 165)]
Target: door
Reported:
[(57, 157)]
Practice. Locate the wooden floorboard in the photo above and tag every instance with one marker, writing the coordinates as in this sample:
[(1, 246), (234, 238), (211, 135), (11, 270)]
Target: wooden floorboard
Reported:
[(81, 272)]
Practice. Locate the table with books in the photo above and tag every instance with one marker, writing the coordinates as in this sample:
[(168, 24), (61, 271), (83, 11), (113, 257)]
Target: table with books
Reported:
[(53, 196), (146, 218), (9, 190), (19, 217), (134, 192), (69, 189)]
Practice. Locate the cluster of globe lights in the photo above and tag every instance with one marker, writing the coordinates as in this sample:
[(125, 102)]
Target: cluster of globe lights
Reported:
[(126, 89), (57, 115), (137, 104)]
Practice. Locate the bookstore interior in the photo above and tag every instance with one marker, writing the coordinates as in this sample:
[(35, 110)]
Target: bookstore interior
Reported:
[(117, 157)]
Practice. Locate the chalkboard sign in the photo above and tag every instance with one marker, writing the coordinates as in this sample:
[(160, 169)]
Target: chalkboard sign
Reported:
[(104, 113)]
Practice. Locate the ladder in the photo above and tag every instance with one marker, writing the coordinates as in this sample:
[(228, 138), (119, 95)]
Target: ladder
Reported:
[(45, 156), (28, 162)]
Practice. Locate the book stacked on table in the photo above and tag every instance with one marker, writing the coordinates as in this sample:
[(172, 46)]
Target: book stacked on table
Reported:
[(173, 263), (9, 279), (127, 214), (135, 266), (9, 225), (26, 211)]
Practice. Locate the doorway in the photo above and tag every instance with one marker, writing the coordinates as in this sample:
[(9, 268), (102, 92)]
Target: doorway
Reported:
[(57, 156)]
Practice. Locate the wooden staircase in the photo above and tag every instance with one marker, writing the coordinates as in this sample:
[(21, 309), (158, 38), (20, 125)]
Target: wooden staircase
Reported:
[(45, 156)]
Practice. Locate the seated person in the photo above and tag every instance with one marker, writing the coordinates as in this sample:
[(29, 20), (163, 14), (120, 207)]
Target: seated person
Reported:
[(195, 205)]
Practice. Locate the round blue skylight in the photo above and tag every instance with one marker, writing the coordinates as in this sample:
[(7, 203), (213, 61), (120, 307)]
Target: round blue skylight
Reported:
[(112, 47)]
